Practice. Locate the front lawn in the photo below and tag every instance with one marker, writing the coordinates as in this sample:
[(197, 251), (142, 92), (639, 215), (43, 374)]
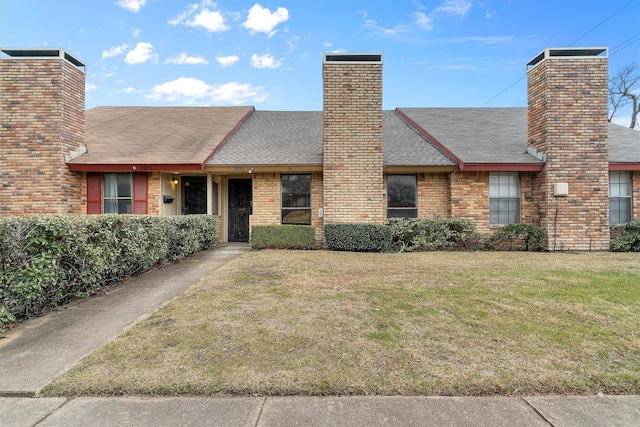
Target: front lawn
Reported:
[(436, 323)]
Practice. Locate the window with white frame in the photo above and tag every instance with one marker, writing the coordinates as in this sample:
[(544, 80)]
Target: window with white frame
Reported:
[(118, 193), (402, 196), (296, 199), (619, 197), (504, 198)]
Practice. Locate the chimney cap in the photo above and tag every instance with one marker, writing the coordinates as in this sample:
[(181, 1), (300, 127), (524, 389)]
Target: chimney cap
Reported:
[(352, 58), (573, 52), (37, 53)]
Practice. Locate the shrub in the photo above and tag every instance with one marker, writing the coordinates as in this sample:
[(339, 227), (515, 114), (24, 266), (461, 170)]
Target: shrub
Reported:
[(526, 237), (47, 260), (420, 234), (283, 236), (358, 237), (625, 237)]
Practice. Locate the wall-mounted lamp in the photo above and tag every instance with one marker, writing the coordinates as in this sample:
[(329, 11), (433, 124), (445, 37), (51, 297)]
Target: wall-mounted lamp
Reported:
[(174, 180), (251, 170)]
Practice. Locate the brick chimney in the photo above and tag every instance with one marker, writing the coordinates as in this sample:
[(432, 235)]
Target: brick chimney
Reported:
[(41, 124), (567, 124), (352, 138)]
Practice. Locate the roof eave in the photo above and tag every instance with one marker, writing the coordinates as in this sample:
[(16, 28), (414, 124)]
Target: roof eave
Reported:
[(132, 167), (624, 166), (502, 167)]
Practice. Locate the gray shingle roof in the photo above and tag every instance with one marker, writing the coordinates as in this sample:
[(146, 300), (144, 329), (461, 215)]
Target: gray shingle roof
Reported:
[(624, 144), (478, 135), (274, 138), (404, 146), (295, 137)]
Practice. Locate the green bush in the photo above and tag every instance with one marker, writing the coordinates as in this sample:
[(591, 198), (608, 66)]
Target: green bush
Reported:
[(625, 237), (47, 260), (420, 234), (358, 237), (283, 236), (527, 237)]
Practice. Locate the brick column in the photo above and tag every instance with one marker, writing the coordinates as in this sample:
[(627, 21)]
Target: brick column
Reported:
[(352, 138), (41, 122), (567, 90)]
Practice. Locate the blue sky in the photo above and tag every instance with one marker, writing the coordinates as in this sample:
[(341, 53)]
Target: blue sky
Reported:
[(440, 53)]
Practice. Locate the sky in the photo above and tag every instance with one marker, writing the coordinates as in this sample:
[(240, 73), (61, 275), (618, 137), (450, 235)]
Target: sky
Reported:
[(436, 53)]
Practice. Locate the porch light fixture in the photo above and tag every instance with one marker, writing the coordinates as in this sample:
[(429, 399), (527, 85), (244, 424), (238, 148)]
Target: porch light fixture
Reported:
[(174, 180), (251, 170)]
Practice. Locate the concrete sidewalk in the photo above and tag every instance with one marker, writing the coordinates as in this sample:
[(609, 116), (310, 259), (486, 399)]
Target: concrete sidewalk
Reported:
[(566, 411), (41, 349)]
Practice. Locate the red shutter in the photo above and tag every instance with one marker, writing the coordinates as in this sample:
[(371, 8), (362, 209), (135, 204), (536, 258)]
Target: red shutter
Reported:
[(94, 193), (140, 181)]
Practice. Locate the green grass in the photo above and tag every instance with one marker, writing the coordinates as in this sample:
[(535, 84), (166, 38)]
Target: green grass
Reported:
[(316, 323)]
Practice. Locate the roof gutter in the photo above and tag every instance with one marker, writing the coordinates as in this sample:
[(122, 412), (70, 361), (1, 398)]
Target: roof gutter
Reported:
[(621, 166)]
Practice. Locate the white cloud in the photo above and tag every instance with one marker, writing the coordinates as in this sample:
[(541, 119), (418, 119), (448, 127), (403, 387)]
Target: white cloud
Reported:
[(398, 30), (187, 91), (184, 59), (199, 15), (422, 20), (114, 51), (456, 7), (237, 93), (261, 20), (264, 61), (225, 61), (129, 89), (88, 87), (143, 52), (131, 5), (484, 40)]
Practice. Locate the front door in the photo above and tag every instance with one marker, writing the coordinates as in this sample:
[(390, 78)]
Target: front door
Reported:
[(194, 195), (239, 209)]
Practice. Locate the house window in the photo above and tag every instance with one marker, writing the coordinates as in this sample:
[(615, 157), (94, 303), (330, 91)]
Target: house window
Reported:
[(504, 198), (296, 199), (619, 197), (401, 196), (118, 193)]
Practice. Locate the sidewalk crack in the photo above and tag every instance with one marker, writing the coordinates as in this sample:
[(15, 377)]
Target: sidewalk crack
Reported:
[(264, 401), (537, 411)]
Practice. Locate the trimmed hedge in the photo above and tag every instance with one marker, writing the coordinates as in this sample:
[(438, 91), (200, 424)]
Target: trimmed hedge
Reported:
[(47, 260), (433, 234), (625, 237), (527, 237), (358, 237), (283, 237)]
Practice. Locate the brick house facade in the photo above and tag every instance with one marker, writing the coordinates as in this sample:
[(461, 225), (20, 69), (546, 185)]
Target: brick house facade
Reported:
[(549, 164)]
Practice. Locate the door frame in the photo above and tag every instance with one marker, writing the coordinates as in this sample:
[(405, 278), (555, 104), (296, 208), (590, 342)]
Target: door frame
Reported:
[(230, 204)]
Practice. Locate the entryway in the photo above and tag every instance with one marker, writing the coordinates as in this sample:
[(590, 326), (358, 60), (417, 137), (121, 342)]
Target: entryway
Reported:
[(239, 209), (194, 195)]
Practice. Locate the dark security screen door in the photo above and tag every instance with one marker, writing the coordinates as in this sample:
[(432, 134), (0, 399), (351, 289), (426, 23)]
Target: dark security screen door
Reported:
[(239, 209), (194, 195)]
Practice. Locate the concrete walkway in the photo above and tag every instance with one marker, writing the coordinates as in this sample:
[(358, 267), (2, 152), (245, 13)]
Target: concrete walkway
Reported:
[(41, 349)]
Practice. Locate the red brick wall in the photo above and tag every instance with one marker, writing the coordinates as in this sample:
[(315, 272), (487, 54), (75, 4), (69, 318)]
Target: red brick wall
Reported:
[(352, 143), (568, 122), (41, 120)]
